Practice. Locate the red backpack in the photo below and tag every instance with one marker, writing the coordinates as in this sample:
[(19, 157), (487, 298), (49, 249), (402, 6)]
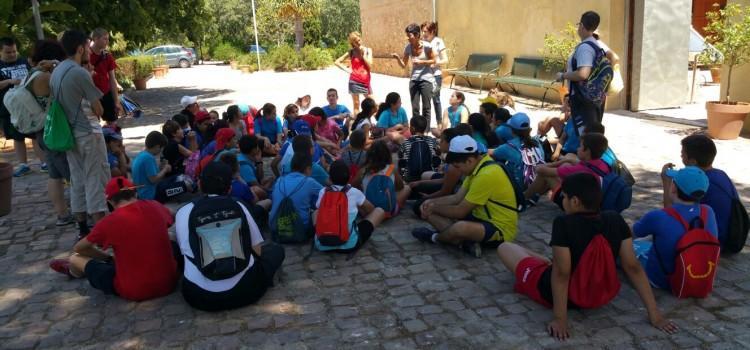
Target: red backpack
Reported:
[(594, 282), (696, 260), (354, 166), (332, 226)]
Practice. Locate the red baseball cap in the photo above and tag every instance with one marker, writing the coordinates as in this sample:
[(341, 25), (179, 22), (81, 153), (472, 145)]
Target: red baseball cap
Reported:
[(223, 136), (201, 116), (117, 184), (311, 120)]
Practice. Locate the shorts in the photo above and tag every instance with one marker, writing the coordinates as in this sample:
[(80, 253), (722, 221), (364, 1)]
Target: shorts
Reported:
[(490, 231), (108, 104), (58, 165), (586, 111), (101, 275), (356, 87), (528, 273), (10, 131)]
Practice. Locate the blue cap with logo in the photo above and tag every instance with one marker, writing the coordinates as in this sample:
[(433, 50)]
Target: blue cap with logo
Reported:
[(519, 121), (691, 180)]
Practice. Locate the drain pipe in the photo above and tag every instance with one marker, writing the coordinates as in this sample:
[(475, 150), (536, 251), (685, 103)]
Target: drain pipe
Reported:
[(434, 11), (629, 82)]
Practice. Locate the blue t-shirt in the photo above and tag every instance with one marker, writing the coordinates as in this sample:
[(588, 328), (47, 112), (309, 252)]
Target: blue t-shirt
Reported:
[(286, 162), (719, 196), (247, 169), (241, 191), (388, 120), (571, 142), (209, 149), (319, 174), (330, 112), (609, 157), (113, 161), (264, 127), (144, 166), (512, 156), (666, 232), (304, 197), (504, 133)]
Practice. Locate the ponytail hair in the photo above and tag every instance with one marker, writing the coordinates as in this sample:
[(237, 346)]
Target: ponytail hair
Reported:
[(526, 140)]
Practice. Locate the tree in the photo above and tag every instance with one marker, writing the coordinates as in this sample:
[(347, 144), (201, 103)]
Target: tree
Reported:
[(16, 18), (557, 47), (299, 11), (729, 31), (272, 29), (339, 18)]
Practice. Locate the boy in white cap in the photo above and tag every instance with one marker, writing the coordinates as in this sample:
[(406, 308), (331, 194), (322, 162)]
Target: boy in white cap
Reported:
[(483, 211), (190, 108)]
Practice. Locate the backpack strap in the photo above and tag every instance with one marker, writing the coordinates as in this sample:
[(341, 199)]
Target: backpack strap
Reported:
[(389, 172), (595, 169), (671, 211), (490, 200)]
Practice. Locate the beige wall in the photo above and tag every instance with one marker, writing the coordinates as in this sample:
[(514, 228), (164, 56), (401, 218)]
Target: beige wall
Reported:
[(383, 24)]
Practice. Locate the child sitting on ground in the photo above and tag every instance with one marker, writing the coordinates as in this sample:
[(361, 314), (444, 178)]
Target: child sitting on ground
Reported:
[(359, 232), (419, 153), (355, 155), (302, 143), (175, 153), (392, 118), (152, 179), (481, 131), (687, 187), (380, 164), (558, 284), (521, 146), (500, 126), (119, 163), (281, 164), (549, 176), (438, 184), (251, 166), (699, 150), (456, 113), (268, 127), (233, 116), (299, 187), (556, 123), (487, 110)]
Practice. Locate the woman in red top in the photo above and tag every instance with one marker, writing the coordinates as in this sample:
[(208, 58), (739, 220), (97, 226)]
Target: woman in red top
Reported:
[(359, 72)]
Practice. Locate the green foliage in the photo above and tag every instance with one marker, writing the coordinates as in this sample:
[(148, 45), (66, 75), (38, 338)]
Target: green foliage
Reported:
[(247, 59), (315, 58), (299, 11), (134, 67), (557, 47), (283, 58), (729, 31), (339, 18), (16, 19), (225, 52), (340, 49)]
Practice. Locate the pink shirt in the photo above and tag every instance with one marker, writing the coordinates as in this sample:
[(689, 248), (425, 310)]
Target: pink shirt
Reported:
[(329, 130), (567, 170)]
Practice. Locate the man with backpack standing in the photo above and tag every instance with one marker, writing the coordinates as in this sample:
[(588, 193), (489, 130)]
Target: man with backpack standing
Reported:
[(589, 73), (483, 211), (673, 228), (104, 76), (227, 264)]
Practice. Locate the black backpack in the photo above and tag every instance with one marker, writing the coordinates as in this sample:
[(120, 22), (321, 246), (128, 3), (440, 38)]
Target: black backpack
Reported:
[(517, 189), (287, 225), (219, 236), (739, 224), (420, 159)]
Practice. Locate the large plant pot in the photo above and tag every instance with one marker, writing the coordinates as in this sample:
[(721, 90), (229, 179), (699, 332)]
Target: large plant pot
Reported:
[(140, 84), (165, 67), (716, 75), (6, 187), (725, 120), (158, 72), (246, 68), (234, 64)]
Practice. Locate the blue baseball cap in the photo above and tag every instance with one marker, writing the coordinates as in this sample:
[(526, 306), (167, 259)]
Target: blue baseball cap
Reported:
[(691, 180), (519, 121), (301, 127)]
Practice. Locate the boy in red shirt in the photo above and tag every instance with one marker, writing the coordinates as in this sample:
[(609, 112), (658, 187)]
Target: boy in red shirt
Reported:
[(144, 267)]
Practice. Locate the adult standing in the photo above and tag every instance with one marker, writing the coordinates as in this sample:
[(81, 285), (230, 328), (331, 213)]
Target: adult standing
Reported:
[(422, 82), (583, 110), (360, 58), (72, 86), (429, 34), (104, 76), (13, 71)]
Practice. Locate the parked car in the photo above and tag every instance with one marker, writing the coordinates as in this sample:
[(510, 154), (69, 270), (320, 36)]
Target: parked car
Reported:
[(256, 48), (175, 55)]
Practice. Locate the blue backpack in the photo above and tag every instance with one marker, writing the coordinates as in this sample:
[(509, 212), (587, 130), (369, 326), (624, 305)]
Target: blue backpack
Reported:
[(616, 193), (381, 191), (595, 87)]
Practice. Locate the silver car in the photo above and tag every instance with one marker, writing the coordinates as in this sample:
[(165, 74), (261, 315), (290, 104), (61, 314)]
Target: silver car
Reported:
[(175, 55)]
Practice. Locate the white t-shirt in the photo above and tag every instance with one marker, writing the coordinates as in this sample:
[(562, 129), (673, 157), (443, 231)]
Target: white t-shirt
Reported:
[(192, 273), (362, 123), (354, 196), (438, 45)]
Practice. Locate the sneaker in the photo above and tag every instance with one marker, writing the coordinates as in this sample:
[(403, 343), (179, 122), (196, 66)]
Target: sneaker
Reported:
[(61, 266), (22, 170), (44, 168), (423, 234), (65, 220), (472, 248)]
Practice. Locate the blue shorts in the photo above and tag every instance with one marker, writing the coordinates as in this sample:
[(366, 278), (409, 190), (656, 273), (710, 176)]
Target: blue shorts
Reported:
[(489, 231)]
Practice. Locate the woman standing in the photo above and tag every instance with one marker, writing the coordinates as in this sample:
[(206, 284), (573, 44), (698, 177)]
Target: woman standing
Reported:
[(422, 82), (359, 72), (429, 34)]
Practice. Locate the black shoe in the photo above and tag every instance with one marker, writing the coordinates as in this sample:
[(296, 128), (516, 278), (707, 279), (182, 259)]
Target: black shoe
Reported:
[(423, 234), (472, 248)]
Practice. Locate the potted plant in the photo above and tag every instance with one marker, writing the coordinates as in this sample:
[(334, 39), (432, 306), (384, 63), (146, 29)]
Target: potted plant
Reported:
[(142, 71), (729, 31), (711, 59), (161, 61), (557, 49)]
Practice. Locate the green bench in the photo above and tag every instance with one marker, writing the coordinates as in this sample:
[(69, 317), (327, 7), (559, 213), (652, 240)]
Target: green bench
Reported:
[(529, 71), (480, 66)]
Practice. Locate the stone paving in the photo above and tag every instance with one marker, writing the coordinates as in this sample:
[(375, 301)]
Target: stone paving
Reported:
[(395, 294)]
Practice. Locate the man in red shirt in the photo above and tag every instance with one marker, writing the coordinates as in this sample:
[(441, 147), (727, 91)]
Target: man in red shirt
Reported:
[(104, 75), (144, 265)]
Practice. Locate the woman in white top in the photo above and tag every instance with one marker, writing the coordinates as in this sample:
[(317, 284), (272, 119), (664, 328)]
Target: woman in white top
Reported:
[(429, 34)]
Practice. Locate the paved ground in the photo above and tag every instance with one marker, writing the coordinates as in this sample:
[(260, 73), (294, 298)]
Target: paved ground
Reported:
[(396, 293)]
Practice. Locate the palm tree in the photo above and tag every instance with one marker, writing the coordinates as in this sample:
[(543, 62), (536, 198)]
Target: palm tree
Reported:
[(299, 11)]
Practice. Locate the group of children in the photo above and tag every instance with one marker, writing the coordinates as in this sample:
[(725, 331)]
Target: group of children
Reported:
[(470, 184)]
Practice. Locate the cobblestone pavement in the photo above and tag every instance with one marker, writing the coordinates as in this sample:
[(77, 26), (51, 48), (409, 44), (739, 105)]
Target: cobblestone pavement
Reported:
[(395, 294)]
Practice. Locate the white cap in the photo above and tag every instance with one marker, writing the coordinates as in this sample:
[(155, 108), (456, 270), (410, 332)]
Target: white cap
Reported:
[(463, 144), (188, 100)]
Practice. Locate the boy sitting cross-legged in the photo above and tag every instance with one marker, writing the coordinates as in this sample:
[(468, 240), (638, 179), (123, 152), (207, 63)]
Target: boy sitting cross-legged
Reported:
[(582, 239)]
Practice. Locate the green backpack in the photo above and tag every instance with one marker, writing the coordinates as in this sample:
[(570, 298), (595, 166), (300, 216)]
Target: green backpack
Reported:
[(58, 135)]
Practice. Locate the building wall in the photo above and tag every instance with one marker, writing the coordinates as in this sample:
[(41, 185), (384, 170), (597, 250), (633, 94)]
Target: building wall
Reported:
[(740, 87)]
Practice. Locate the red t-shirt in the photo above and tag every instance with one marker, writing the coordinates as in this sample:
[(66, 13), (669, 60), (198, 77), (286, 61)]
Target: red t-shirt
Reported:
[(565, 171), (103, 64), (144, 263)]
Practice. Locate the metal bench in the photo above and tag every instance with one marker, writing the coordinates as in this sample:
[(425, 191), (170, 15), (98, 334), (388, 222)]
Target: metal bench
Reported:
[(526, 71), (480, 66)]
